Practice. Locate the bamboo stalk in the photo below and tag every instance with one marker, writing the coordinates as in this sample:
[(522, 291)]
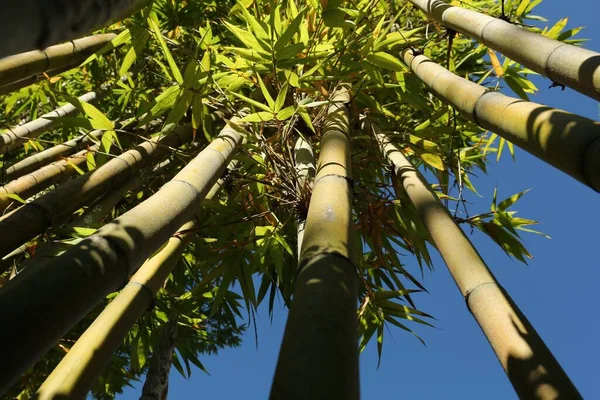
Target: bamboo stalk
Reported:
[(319, 354), (156, 385), (66, 55), (16, 136), (100, 264), (30, 184), (531, 368), (56, 206), (563, 63), (77, 371), (35, 24), (304, 159), (566, 141), (42, 158)]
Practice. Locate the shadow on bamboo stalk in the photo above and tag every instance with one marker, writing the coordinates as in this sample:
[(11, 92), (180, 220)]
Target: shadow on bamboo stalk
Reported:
[(35, 24), (56, 206), (532, 369), (569, 65), (40, 307), (566, 141), (20, 67)]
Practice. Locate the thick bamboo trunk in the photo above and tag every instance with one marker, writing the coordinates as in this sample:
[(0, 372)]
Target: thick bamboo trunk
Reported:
[(40, 306), (156, 384), (77, 371), (35, 24), (319, 354), (62, 56), (566, 64), (38, 160), (16, 136), (56, 206), (305, 168), (529, 364), (566, 141), (33, 183)]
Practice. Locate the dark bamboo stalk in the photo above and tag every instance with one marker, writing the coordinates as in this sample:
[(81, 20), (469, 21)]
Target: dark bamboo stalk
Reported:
[(36, 24)]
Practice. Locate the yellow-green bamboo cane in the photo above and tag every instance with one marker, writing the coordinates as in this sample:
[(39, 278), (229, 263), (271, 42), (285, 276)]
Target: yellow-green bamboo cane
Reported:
[(566, 141), (304, 160), (67, 55), (77, 371), (16, 136), (529, 364), (563, 63), (35, 24), (45, 157), (30, 184), (74, 283), (319, 354), (58, 205)]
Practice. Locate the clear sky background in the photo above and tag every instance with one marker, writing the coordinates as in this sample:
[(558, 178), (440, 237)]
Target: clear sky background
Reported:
[(558, 291)]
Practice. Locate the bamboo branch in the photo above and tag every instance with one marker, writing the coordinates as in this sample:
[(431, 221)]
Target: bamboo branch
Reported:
[(566, 141), (563, 63), (529, 364)]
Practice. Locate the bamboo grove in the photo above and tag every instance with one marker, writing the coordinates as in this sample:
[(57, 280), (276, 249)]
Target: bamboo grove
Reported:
[(165, 175)]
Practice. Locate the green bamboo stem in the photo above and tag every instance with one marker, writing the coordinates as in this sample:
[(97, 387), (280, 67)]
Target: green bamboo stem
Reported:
[(304, 159), (56, 206), (77, 371), (33, 183), (563, 63), (566, 141), (16, 136), (319, 354), (38, 160), (67, 55), (529, 364), (73, 284), (35, 24)]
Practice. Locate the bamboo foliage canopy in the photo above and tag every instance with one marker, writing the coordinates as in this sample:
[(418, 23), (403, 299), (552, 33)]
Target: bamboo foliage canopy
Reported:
[(174, 79)]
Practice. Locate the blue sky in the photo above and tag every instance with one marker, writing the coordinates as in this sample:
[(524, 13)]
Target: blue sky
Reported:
[(558, 291)]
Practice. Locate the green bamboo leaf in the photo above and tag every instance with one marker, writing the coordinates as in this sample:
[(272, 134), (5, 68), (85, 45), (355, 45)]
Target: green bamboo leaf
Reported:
[(97, 118), (293, 28), (387, 61), (253, 102), (285, 113), (154, 26), (261, 116)]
